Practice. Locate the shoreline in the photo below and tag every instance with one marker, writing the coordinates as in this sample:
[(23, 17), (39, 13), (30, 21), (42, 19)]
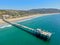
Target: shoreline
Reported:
[(21, 19)]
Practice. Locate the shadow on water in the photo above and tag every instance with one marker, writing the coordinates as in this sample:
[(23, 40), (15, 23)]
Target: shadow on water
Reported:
[(35, 35), (29, 31)]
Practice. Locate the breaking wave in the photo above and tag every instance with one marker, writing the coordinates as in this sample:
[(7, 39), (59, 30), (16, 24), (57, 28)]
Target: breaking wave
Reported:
[(4, 26)]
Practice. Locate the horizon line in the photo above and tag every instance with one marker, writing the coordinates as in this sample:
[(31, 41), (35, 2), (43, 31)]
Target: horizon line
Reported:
[(27, 9)]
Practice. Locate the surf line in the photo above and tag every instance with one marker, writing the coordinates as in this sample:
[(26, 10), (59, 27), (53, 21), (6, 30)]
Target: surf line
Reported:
[(36, 32)]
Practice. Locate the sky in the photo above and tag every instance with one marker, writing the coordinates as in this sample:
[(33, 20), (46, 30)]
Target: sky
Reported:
[(29, 4)]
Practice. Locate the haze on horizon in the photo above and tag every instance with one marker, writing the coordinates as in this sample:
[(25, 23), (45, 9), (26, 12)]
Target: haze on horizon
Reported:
[(29, 4)]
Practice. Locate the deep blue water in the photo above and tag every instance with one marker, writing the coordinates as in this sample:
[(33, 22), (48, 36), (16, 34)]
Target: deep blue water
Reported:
[(14, 36)]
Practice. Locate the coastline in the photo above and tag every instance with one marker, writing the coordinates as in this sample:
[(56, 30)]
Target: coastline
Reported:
[(20, 19)]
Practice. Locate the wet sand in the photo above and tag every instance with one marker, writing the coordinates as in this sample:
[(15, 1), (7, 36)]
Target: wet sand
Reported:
[(24, 18)]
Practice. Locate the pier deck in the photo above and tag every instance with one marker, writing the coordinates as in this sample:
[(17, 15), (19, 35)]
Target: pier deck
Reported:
[(37, 32)]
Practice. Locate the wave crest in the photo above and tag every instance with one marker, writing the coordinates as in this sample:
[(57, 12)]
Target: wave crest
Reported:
[(4, 26)]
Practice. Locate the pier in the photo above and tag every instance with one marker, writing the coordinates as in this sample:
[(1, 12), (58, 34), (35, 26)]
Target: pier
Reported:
[(36, 32)]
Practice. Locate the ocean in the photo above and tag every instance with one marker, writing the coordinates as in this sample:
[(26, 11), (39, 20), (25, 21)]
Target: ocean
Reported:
[(10, 35)]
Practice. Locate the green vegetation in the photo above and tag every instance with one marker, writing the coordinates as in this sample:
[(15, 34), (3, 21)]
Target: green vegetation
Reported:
[(20, 13)]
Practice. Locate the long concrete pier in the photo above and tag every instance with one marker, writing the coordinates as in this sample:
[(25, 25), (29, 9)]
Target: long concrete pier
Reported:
[(36, 32)]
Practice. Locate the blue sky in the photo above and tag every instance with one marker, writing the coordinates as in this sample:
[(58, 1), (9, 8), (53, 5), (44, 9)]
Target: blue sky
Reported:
[(29, 4)]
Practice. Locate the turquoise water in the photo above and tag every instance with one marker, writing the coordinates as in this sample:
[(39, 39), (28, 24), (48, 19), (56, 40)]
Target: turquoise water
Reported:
[(14, 36)]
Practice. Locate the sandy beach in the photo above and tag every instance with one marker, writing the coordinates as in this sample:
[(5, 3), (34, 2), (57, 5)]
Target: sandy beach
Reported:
[(24, 18)]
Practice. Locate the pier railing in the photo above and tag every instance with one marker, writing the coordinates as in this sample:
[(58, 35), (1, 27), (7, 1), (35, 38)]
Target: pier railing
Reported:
[(24, 28), (37, 32)]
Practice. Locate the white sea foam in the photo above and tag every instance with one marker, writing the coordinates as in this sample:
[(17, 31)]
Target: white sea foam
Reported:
[(4, 26), (28, 19), (7, 25)]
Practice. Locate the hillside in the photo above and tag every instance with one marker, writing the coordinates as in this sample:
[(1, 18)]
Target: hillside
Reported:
[(20, 13)]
